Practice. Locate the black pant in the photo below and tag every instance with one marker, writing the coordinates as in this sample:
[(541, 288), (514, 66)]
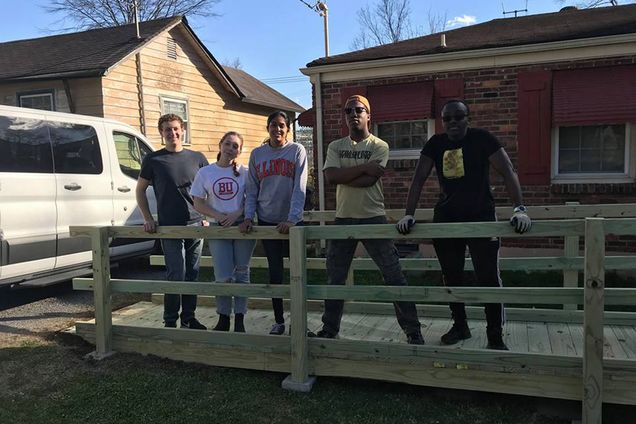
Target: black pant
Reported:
[(485, 255), (276, 251), (384, 254)]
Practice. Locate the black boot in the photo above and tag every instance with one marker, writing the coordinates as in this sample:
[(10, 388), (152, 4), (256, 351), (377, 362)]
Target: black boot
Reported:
[(239, 326), (459, 331), (495, 338), (223, 324)]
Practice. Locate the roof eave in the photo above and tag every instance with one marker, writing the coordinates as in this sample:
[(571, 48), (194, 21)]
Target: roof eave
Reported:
[(296, 108), (471, 54), (57, 75)]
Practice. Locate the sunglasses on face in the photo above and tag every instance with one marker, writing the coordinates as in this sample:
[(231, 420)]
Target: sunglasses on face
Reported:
[(456, 117), (358, 110)]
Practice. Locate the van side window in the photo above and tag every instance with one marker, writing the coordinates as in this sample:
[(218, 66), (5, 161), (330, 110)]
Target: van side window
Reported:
[(75, 149), (24, 146), (130, 152)]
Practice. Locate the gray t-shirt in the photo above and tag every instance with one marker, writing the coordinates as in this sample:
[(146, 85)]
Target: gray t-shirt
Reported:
[(171, 175)]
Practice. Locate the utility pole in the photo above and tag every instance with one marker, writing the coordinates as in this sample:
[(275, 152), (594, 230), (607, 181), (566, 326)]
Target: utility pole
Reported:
[(320, 7)]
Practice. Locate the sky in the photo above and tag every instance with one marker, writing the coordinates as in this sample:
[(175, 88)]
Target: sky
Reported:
[(273, 40)]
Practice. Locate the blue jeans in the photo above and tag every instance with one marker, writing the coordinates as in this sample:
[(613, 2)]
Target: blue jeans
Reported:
[(182, 264), (384, 254), (231, 265)]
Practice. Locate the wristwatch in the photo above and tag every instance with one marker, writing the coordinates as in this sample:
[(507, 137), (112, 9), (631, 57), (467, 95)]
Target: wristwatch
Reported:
[(521, 209)]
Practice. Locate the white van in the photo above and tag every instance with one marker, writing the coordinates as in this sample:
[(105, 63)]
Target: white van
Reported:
[(60, 169)]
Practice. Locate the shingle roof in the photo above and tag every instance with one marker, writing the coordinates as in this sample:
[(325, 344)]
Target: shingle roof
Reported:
[(86, 53), (92, 53), (532, 29), (259, 93)]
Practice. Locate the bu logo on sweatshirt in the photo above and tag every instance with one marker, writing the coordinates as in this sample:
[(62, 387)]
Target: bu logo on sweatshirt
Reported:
[(225, 188), (275, 167)]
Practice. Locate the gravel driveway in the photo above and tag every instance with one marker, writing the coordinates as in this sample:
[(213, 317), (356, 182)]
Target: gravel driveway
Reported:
[(38, 312)]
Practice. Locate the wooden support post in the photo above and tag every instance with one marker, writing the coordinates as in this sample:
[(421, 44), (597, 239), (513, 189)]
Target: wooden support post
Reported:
[(299, 380), (102, 294), (571, 250), (593, 294)]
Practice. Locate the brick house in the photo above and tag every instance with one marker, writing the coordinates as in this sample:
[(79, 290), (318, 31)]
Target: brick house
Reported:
[(558, 89), (113, 73)]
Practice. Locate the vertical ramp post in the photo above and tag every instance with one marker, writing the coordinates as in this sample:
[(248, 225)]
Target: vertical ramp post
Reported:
[(593, 321), (571, 250), (299, 380), (101, 294)]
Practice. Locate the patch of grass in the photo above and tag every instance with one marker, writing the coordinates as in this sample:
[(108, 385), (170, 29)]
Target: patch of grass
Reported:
[(130, 388)]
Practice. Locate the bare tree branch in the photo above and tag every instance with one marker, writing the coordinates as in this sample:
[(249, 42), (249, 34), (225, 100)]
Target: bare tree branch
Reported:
[(389, 21), (87, 14)]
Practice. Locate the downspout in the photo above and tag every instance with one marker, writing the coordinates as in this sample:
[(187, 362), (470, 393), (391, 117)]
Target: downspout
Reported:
[(140, 94), (69, 96), (140, 80), (319, 152)]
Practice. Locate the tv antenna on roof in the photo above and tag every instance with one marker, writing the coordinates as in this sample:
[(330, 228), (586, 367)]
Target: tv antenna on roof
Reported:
[(516, 11)]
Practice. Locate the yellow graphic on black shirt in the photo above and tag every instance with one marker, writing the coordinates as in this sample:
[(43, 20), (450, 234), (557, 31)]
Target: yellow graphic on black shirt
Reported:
[(453, 164)]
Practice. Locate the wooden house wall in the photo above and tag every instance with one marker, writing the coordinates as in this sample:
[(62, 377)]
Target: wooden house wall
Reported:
[(213, 109), (86, 94)]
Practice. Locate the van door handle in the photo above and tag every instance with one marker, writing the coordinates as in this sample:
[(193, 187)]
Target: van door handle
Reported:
[(123, 189), (72, 186)]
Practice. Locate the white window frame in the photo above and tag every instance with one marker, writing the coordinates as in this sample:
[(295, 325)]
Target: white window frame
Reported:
[(401, 154), (162, 100), (49, 94), (597, 178)]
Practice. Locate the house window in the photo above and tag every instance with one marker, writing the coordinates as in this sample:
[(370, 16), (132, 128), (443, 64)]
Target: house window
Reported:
[(179, 108), (593, 153), (43, 101), (405, 138)]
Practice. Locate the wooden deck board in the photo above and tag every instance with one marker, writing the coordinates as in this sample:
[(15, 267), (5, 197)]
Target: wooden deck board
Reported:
[(516, 336), (626, 335), (560, 339), (526, 337), (538, 338)]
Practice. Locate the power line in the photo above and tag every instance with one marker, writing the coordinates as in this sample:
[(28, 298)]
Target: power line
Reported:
[(285, 80)]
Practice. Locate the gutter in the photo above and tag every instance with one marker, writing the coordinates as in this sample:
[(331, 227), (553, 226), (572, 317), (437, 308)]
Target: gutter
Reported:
[(490, 54)]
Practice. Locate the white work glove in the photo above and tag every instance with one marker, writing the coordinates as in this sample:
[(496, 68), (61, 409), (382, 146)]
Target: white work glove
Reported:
[(404, 225), (520, 220)]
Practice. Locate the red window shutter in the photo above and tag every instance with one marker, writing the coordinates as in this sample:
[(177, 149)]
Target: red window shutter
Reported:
[(534, 126), (595, 96), (399, 102), (345, 93), (446, 90), (307, 118)]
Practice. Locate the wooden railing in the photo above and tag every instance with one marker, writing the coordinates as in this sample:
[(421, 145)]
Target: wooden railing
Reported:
[(561, 372)]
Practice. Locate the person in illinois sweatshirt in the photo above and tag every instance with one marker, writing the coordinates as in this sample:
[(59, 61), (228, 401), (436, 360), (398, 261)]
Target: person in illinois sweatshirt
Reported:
[(276, 184)]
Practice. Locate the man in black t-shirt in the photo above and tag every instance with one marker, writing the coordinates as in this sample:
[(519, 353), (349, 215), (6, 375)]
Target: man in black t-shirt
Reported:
[(171, 171), (462, 157)]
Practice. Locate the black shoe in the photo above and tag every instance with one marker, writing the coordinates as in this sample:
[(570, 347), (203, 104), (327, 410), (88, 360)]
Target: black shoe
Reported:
[(239, 326), (193, 324), (415, 338), (495, 339), (223, 324), (459, 331), (277, 329), (323, 334), (170, 324)]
